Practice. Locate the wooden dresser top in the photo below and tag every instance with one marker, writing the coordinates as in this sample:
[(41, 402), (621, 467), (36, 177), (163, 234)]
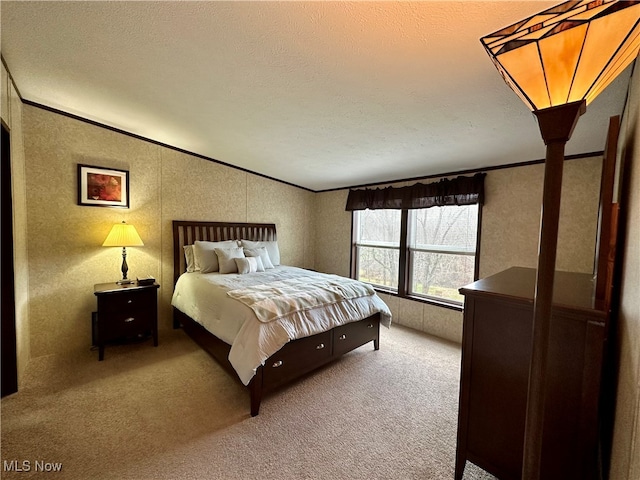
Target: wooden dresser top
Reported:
[(573, 290)]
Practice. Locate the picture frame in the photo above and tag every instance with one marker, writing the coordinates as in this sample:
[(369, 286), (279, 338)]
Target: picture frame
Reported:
[(103, 187)]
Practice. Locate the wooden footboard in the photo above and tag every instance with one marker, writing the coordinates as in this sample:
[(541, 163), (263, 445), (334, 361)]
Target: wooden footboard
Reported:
[(292, 361)]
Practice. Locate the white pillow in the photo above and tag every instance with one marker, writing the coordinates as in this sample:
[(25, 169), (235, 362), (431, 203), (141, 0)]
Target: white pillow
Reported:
[(271, 246), (205, 256), (260, 264), (247, 264), (226, 258), (260, 252), (189, 259)]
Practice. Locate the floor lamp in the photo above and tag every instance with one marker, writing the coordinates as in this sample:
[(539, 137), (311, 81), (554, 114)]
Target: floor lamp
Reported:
[(557, 62)]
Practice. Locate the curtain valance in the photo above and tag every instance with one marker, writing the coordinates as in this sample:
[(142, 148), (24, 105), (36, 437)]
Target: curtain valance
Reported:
[(455, 191)]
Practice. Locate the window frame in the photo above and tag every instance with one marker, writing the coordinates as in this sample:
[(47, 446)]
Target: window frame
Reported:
[(405, 260)]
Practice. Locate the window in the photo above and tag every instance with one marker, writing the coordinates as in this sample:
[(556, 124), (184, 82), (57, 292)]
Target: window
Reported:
[(442, 250), (419, 240), (378, 247), (435, 258)]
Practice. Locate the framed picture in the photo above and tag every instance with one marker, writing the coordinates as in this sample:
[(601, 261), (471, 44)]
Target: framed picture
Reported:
[(103, 187)]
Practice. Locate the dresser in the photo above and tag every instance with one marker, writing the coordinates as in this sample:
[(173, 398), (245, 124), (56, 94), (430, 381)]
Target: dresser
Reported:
[(125, 312), (496, 351)]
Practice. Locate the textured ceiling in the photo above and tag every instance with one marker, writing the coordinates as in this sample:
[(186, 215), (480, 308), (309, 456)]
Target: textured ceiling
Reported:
[(317, 94)]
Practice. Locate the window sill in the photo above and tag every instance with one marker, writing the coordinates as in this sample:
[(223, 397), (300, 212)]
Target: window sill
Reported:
[(429, 301)]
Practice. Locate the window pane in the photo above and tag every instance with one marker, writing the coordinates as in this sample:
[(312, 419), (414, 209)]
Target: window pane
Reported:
[(381, 226), (379, 266), (450, 225), (441, 275)]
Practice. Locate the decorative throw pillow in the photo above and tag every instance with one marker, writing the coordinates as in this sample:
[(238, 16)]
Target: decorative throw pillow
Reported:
[(205, 256), (259, 252), (226, 258), (189, 259), (271, 246), (260, 264), (247, 264)]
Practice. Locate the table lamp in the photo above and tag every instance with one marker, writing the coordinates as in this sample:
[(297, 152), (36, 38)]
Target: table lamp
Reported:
[(123, 235)]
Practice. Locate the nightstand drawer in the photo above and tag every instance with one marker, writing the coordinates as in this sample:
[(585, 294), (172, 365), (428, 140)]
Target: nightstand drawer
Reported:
[(124, 312), (127, 301), (124, 324)]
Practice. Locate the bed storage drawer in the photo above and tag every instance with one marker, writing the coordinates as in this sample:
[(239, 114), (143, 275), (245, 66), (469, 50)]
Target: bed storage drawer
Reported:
[(305, 353), (352, 335)]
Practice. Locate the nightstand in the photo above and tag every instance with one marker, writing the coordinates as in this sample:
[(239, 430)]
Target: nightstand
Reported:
[(125, 312)]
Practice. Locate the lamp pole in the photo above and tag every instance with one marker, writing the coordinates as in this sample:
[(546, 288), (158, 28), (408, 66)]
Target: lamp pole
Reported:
[(556, 126)]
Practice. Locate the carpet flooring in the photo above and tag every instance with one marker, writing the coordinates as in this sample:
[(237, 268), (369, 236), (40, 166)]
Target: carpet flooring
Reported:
[(172, 413)]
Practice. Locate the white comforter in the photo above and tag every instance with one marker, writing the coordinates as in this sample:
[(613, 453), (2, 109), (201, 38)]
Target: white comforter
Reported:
[(253, 341)]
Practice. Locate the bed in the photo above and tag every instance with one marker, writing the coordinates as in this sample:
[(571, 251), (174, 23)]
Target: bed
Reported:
[(271, 327)]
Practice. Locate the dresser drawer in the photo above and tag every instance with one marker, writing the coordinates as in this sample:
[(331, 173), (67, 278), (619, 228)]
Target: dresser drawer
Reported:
[(127, 300), (305, 353), (352, 335), (114, 325)]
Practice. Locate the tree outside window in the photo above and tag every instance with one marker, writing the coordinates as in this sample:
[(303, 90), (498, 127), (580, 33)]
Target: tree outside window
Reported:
[(440, 243)]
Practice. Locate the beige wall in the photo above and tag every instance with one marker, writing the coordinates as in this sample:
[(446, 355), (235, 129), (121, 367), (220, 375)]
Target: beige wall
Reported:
[(510, 227), (625, 461), (511, 217), (12, 116), (333, 225), (4, 101), (64, 239)]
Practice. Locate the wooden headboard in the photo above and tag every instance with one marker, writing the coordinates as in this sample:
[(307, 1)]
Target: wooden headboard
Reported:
[(186, 232)]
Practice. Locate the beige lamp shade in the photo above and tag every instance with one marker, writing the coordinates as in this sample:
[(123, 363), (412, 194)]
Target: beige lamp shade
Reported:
[(123, 235), (568, 53)]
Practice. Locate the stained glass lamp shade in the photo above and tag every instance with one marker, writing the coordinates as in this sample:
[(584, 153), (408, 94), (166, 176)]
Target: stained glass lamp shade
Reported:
[(568, 53)]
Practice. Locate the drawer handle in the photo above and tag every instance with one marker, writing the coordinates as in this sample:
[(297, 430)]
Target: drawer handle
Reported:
[(370, 325), (342, 337), (320, 347), (277, 364), (129, 320)]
